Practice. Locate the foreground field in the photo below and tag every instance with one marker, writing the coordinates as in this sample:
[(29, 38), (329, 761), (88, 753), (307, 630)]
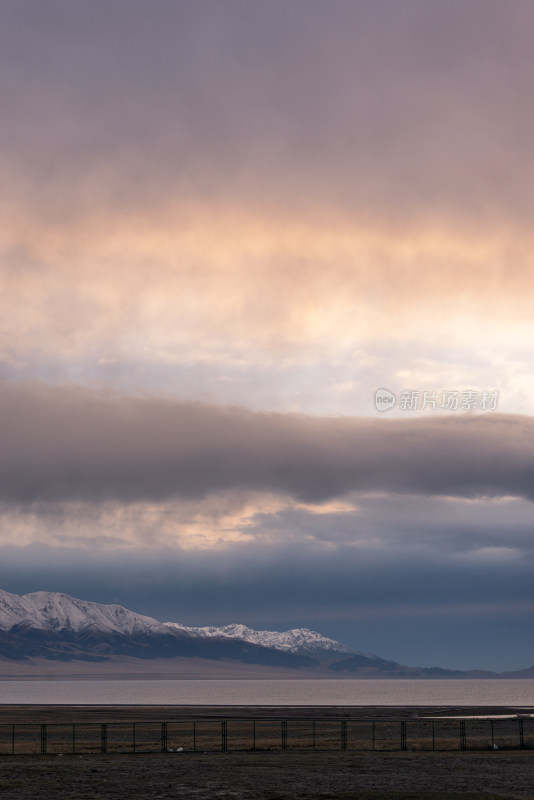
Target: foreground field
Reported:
[(282, 776), (274, 775)]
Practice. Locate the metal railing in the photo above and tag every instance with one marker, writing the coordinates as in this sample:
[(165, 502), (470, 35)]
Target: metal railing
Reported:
[(242, 734)]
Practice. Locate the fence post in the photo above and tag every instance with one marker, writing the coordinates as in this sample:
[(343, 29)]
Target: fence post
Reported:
[(284, 734), (43, 740), (433, 737), (224, 736), (463, 740), (103, 738), (521, 734), (164, 741), (403, 735), (492, 736)]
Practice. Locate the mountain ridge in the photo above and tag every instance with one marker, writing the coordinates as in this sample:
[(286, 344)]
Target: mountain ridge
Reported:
[(296, 640), (57, 612), (58, 627)]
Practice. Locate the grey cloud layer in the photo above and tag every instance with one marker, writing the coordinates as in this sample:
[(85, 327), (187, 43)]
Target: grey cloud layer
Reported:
[(61, 444), (363, 104)]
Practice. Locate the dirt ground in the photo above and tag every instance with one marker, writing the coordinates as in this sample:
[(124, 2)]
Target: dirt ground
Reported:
[(283, 775)]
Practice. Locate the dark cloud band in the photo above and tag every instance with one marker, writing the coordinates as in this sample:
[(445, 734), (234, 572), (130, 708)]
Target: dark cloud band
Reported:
[(61, 444)]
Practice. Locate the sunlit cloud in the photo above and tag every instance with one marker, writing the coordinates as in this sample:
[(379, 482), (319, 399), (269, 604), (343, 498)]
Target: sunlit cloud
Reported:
[(266, 313)]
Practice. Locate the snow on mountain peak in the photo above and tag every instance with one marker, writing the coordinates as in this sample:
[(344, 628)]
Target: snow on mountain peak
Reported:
[(297, 640), (53, 611)]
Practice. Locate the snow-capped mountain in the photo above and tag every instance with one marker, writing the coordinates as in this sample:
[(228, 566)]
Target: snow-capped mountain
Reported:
[(61, 627), (56, 612), (50, 611), (297, 640)]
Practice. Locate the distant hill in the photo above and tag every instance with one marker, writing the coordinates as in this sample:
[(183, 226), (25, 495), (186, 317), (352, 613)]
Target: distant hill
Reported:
[(56, 627), (59, 627)]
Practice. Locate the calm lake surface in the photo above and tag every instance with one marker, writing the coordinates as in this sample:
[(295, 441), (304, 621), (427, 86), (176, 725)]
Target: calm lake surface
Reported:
[(271, 692)]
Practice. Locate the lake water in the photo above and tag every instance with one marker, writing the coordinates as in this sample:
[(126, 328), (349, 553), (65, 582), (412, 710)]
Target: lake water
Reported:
[(296, 692)]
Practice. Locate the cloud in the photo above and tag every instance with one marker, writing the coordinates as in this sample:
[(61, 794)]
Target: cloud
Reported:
[(382, 109), (234, 186), (67, 444), (265, 313)]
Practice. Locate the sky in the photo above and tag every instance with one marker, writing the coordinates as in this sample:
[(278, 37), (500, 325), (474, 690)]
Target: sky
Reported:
[(225, 226)]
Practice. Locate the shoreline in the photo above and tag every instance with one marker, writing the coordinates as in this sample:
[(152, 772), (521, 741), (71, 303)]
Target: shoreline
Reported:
[(193, 668), (58, 714)]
